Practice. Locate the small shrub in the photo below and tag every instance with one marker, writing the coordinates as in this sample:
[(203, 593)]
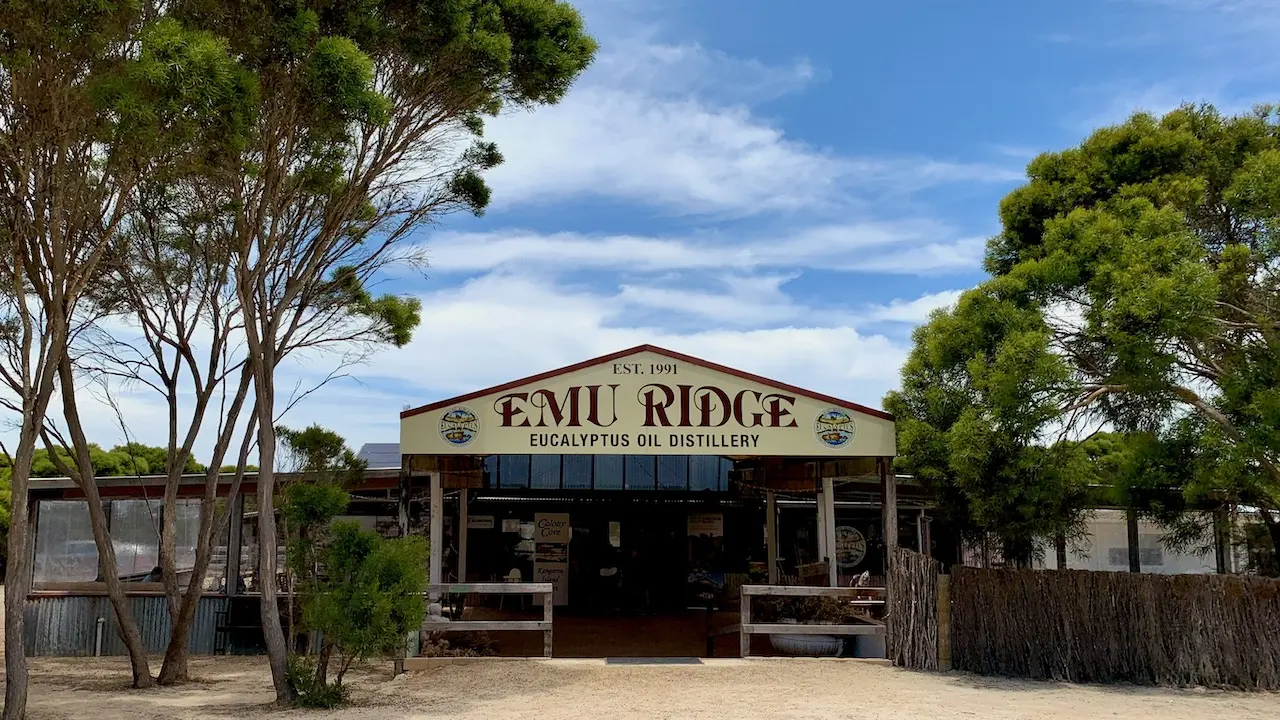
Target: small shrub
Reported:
[(311, 692), (478, 644), (806, 610)]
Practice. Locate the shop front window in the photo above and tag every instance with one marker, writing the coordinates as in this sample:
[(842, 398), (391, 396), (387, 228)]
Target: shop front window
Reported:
[(66, 552)]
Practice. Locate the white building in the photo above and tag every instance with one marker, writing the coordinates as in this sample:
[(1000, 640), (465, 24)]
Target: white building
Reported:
[(1107, 549)]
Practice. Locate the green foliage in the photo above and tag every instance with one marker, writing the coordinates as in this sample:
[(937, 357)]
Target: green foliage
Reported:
[(232, 468), (393, 317), (313, 693), (320, 451), (461, 59), (311, 505), (1160, 233), (1137, 286), (361, 593), (6, 510), (978, 394), (371, 595), (122, 460), (184, 90)]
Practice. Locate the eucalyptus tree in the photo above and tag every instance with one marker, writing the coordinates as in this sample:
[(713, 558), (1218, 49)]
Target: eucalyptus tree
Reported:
[(94, 96), (1156, 242), (369, 125), (980, 396)]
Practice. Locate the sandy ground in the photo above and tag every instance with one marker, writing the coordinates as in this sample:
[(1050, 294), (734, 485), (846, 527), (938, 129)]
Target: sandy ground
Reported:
[(570, 689)]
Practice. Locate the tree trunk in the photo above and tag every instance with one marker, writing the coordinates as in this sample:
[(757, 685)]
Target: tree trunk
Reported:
[(168, 551), (1273, 530), (129, 632), (17, 581), (176, 654), (101, 535), (322, 664), (174, 668), (1060, 550), (1135, 557), (272, 631)]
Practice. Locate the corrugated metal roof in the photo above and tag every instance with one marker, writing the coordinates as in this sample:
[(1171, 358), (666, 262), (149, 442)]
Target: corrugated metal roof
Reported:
[(381, 456)]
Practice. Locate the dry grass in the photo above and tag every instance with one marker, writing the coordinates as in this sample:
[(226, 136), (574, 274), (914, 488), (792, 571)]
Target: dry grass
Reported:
[(718, 690)]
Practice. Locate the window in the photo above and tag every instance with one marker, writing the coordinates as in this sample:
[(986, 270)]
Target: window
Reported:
[(66, 551), (640, 472), (545, 472), (673, 472), (135, 533), (577, 472), (609, 470), (704, 473), (491, 471), (513, 471)]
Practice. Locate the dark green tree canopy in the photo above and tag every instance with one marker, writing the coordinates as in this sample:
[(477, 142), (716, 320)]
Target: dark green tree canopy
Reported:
[(978, 394), (1145, 264), (1136, 287)]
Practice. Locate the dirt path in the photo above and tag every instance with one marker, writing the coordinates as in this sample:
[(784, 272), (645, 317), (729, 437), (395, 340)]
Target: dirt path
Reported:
[(568, 689)]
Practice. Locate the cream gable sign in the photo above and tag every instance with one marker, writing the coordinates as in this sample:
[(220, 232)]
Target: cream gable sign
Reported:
[(647, 402)]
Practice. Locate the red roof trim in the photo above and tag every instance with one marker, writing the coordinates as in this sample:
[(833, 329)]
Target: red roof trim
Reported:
[(657, 351)]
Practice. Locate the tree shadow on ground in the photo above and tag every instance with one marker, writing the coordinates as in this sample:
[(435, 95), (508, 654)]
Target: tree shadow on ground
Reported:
[(999, 682)]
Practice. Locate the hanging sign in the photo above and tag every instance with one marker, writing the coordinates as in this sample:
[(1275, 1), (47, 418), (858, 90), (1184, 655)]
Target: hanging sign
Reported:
[(709, 524), (551, 555), (551, 527), (851, 547), (480, 522)]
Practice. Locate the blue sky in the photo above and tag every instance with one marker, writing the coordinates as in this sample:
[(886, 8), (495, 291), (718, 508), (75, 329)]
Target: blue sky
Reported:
[(787, 188)]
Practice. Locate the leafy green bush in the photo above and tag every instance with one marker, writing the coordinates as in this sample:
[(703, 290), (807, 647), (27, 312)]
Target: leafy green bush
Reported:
[(311, 692), (370, 597)]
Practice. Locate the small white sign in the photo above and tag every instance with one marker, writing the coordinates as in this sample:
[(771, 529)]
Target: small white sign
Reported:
[(480, 522), (551, 527), (511, 525), (709, 524), (556, 573)]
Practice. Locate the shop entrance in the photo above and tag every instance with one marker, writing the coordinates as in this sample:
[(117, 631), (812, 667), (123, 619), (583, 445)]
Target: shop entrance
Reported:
[(639, 571), (627, 560)]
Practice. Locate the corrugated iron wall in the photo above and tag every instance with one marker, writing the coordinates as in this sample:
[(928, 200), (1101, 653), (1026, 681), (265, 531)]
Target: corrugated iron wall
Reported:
[(67, 625)]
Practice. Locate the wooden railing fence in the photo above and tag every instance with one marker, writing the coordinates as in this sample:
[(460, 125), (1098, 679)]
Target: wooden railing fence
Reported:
[(536, 589), (865, 596)]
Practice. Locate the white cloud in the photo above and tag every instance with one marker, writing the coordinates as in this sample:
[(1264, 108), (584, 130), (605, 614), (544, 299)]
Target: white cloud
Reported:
[(915, 311), (915, 246), (670, 126), (747, 301), (1213, 51), (501, 327)]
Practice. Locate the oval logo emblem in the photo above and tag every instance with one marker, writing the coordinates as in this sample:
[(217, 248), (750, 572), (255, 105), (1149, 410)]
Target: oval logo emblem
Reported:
[(459, 426), (834, 428)]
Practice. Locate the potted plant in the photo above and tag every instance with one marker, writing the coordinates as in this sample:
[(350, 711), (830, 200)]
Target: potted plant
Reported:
[(808, 610)]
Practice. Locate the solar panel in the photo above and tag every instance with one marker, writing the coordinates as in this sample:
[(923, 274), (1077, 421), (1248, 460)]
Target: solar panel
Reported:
[(380, 456)]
